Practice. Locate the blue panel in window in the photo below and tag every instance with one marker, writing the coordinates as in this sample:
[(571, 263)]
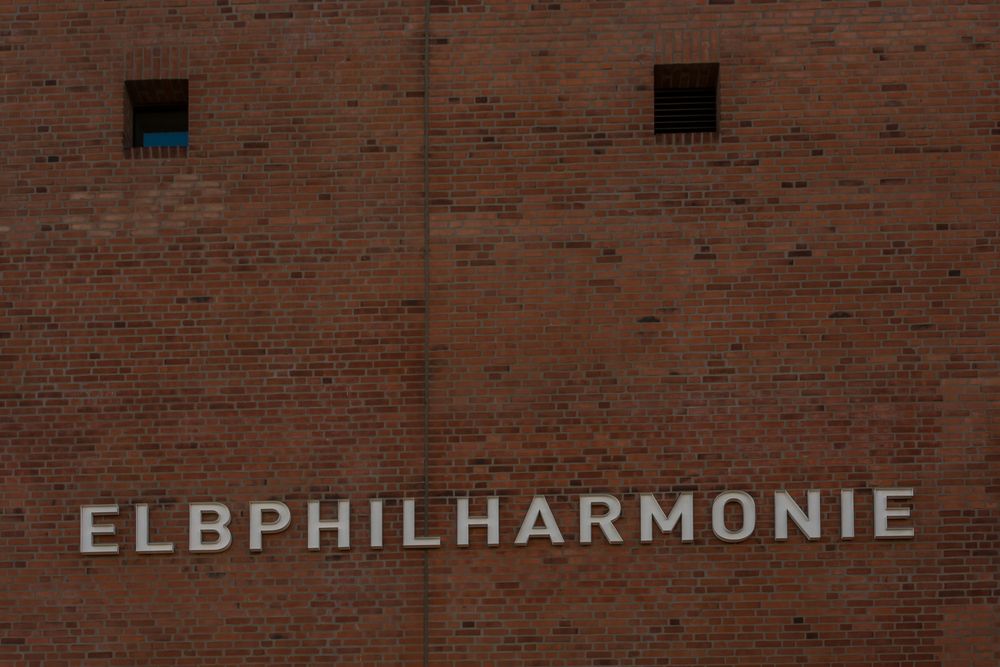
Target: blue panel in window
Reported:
[(165, 139)]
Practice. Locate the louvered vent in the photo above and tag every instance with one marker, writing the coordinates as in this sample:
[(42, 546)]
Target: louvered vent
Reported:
[(686, 98)]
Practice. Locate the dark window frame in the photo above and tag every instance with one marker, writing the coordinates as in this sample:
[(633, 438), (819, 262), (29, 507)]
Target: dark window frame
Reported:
[(686, 98), (144, 97)]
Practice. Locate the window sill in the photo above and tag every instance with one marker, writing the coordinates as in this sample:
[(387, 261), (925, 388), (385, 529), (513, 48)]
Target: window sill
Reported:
[(143, 152), (687, 138)]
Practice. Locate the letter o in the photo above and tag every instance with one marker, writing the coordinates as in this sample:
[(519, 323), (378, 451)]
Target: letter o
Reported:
[(719, 516)]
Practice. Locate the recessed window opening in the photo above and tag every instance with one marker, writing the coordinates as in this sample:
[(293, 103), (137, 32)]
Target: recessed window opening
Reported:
[(157, 113), (686, 98)]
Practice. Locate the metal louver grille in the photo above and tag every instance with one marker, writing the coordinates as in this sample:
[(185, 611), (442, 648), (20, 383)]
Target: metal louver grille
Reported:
[(685, 110), (685, 98)]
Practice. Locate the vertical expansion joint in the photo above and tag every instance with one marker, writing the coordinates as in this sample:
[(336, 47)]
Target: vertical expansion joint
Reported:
[(426, 260), (427, 325)]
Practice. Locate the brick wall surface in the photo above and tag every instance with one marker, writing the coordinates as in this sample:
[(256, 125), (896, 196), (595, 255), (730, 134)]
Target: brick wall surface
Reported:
[(808, 299)]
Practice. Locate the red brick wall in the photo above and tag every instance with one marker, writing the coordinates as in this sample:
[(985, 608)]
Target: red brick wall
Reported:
[(807, 300)]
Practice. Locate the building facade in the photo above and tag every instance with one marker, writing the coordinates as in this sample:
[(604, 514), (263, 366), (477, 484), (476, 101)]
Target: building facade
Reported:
[(438, 250)]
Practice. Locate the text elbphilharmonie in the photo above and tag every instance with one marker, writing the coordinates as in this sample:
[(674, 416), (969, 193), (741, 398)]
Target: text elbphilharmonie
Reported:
[(209, 527)]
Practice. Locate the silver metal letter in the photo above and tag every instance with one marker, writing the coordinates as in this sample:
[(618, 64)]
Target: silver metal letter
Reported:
[(605, 521), (883, 513), (342, 525), (88, 530), (258, 527), (197, 525), (847, 514), (491, 521), (683, 511), (539, 508), (409, 529), (142, 544), (719, 516), (785, 507), (376, 523)]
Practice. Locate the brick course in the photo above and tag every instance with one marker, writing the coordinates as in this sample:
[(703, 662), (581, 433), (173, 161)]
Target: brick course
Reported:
[(808, 299)]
